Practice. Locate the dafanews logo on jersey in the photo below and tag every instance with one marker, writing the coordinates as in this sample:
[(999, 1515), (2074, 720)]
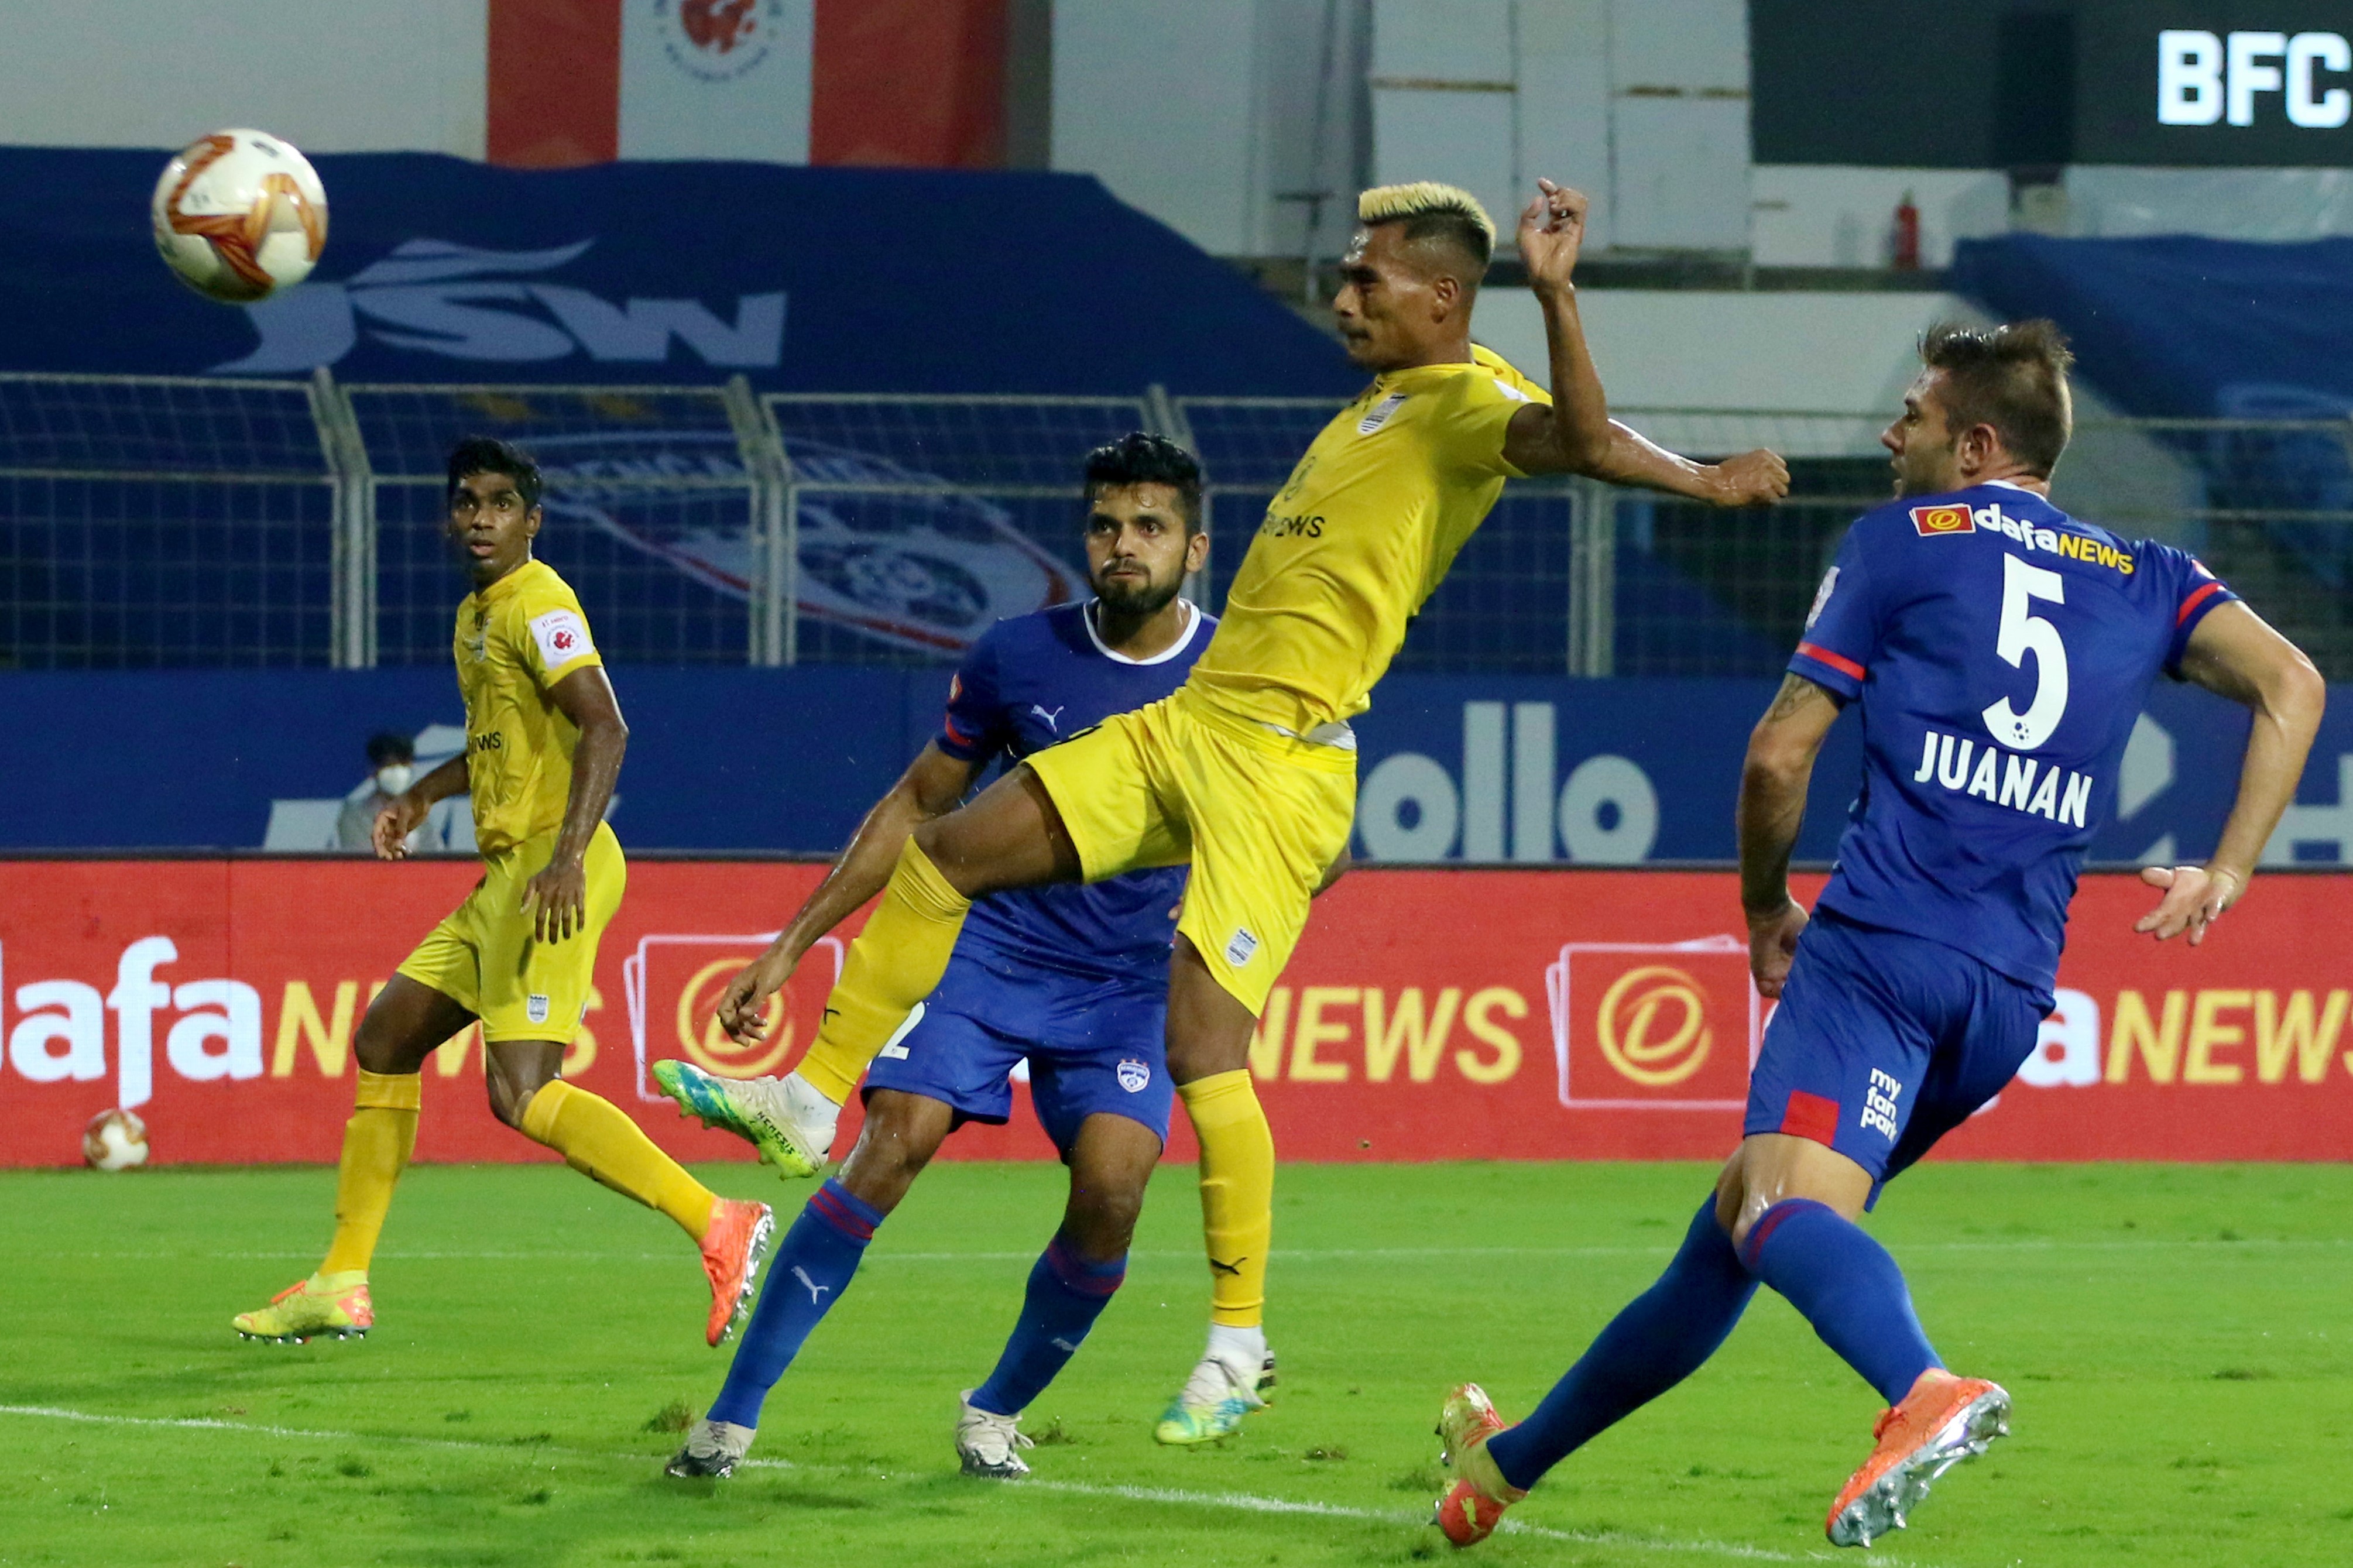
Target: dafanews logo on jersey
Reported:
[(1951, 518)]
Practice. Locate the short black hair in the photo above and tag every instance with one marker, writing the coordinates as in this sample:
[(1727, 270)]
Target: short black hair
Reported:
[(388, 746), (1141, 458), (2012, 377), (488, 455)]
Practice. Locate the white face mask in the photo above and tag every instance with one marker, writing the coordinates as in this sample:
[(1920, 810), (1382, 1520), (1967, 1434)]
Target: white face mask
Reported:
[(392, 777)]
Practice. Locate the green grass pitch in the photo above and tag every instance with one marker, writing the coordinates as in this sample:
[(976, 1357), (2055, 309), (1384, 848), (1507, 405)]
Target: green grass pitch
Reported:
[(2179, 1339)]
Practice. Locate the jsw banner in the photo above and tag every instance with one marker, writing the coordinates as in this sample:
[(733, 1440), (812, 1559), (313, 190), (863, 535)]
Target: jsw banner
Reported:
[(1429, 1015), (439, 269), (1484, 769)]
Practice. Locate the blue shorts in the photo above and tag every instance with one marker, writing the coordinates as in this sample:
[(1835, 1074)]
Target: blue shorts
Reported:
[(1884, 1042), (1093, 1045)]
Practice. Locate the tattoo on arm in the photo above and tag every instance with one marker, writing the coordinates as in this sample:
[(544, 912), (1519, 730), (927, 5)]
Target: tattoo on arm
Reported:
[(1795, 695)]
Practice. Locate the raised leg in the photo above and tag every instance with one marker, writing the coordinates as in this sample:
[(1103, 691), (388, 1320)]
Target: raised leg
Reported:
[(1010, 836)]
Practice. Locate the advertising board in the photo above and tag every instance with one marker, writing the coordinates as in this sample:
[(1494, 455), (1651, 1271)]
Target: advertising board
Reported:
[(1430, 1015)]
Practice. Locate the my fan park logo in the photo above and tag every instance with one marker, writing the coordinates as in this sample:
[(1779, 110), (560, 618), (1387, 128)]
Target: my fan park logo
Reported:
[(470, 303), (673, 984), (1654, 1025)]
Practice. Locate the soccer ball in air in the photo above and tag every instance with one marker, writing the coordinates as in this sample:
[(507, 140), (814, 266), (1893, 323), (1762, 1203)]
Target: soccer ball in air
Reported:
[(114, 1140), (239, 215)]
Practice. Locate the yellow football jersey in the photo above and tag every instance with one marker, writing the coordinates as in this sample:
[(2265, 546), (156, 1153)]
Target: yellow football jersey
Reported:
[(516, 638), (1370, 521)]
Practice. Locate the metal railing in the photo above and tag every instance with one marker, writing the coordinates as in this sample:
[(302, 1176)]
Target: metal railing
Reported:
[(161, 521)]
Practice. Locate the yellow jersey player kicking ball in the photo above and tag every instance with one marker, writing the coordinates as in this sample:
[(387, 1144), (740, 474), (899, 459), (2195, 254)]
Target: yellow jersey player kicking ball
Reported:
[(1248, 770), (543, 744)]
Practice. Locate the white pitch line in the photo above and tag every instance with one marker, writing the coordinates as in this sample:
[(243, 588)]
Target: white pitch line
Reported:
[(1243, 1502)]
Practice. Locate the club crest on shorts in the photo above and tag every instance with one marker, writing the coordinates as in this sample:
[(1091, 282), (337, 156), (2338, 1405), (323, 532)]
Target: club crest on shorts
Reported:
[(1134, 1075), (1240, 946), (1932, 520), (535, 1007)]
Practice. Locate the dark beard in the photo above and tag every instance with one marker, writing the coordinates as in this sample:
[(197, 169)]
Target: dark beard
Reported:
[(1141, 604)]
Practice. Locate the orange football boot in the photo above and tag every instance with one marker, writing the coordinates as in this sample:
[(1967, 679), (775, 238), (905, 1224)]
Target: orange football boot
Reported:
[(1944, 1420), (733, 1247), (1474, 1504)]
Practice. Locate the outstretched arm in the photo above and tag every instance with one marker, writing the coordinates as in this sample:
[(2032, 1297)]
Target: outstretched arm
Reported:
[(557, 896), (1576, 434), (930, 787), (2235, 654), (1781, 752)]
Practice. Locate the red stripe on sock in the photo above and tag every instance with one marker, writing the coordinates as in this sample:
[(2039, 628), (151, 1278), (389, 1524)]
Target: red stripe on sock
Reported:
[(1768, 1223), (1810, 1116), (1087, 1277), (838, 1214)]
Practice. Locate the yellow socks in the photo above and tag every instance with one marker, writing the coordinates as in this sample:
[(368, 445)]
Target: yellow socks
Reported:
[(377, 1142), (1236, 1192), (894, 963), (596, 1139)]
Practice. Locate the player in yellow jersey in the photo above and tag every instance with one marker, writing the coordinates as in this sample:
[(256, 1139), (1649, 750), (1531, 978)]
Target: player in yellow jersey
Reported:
[(1248, 769), (543, 744)]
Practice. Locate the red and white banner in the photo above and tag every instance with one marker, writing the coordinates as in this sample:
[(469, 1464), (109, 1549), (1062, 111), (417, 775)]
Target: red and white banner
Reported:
[(905, 83), (1429, 1015)]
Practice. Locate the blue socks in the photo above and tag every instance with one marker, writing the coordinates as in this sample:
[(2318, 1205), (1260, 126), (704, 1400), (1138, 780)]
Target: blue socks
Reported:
[(1067, 1294), (1660, 1339), (820, 1253), (1846, 1286), (1825, 1266), (805, 1277)]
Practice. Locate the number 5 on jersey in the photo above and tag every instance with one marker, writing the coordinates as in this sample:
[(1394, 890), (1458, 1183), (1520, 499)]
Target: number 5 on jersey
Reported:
[(2022, 633)]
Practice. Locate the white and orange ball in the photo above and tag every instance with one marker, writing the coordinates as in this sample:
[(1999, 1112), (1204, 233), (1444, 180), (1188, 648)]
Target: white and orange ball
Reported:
[(240, 215), (114, 1140)]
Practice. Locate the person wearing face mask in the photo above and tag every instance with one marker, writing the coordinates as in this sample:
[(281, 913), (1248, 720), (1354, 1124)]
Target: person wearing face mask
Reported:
[(392, 764)]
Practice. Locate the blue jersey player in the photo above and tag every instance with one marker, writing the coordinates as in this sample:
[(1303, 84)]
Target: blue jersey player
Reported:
[(2000, 651), (1071, 978)]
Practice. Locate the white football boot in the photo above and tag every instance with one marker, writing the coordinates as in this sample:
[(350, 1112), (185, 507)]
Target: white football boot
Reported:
[(712, 1449), (989, 1444)]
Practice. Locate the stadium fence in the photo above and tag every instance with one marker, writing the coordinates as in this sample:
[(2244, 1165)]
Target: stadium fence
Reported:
[(163, 521)]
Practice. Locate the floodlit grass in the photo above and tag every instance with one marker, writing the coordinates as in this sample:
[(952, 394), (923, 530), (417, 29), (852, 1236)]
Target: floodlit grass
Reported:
[(2178, 1340)]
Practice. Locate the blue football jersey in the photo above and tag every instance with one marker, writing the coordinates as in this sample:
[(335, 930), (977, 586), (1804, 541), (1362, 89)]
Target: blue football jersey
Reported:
[(2002, 651), (1027, 684)]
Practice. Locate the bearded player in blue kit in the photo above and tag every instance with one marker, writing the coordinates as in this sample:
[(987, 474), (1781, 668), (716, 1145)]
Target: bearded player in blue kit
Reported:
[(1072, 979), (2000, 650)]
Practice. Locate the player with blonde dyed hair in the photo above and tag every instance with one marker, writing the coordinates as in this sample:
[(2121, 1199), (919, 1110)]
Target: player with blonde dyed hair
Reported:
[(1248, 772)]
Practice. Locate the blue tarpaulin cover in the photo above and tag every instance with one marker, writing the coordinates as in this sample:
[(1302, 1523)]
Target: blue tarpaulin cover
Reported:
[(802, 279), (2185, 327)]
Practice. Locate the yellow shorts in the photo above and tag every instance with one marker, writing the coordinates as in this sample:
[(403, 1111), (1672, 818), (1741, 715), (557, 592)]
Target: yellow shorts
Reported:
[(1261, 817), (485, 959)]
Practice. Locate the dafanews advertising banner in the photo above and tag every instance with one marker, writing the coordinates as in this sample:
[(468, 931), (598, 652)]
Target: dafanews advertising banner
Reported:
[(1430, 1015)]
